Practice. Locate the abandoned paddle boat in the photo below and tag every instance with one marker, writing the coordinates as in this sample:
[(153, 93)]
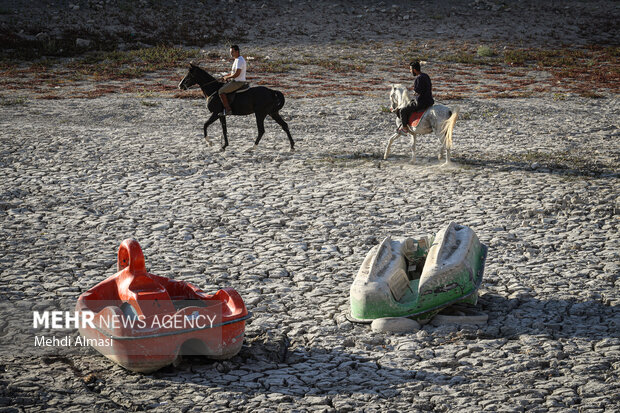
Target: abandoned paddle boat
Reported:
[(417, 278), (144, 322)]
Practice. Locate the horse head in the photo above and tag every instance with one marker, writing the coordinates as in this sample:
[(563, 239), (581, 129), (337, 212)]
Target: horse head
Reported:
[(196, 75), (399, 97), (190, 78)]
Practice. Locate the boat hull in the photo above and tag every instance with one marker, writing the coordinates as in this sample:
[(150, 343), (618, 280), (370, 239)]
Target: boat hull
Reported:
[(151, 352), (386, 286), (144, 322)]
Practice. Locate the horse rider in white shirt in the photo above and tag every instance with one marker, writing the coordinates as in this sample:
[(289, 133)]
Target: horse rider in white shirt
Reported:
[(236, 77)]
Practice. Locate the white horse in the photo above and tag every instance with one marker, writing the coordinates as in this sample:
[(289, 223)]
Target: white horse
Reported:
[(438, 119)]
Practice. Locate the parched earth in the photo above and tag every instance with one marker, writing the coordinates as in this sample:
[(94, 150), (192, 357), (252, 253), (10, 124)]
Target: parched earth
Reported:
[(87, 161), (289, 232)]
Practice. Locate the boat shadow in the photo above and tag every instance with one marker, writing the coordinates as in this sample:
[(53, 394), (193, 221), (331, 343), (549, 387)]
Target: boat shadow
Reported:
[(268, 364), (557, 318), (271, 363)]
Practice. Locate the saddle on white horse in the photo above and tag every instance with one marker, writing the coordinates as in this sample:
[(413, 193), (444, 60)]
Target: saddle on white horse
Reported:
[(415, 117)]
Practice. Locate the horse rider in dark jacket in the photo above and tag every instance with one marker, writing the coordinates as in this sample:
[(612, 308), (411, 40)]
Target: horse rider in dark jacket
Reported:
[(423, 95)]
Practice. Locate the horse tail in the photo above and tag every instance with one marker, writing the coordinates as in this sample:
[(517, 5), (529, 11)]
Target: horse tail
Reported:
[(279, 98), (448, 127)]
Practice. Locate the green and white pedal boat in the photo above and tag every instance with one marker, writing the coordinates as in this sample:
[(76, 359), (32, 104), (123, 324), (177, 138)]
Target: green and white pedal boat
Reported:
[(407, 277)]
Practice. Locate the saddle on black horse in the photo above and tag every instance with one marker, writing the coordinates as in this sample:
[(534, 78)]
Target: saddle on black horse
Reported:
[(229, 96)]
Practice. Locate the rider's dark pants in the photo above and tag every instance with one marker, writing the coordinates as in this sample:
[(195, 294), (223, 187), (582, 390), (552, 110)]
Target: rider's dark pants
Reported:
[(413, 106)]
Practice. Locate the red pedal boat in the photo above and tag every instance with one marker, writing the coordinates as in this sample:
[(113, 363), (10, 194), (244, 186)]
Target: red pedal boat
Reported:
[(144, 322)]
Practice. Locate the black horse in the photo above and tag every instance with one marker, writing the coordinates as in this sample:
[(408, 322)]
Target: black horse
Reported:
[(259, 100)]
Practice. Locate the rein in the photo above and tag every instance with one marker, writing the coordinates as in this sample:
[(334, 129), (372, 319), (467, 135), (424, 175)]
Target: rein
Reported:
[(213, 81), (207, 84)]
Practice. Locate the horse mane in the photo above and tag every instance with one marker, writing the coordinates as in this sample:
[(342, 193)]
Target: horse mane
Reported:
[(402, 95), (203, 74)]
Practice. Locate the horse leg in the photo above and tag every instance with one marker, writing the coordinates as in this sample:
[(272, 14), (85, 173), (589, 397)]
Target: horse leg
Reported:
[(445, 148), (442, 146), (223, 122), (413, 144), (447, 130), (389, 145), (276, 116), (212, 119), (260, 123)]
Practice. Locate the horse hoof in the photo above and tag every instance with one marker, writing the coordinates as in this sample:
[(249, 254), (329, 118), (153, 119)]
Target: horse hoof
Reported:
[(250, 149), (222, 149), (292, 150)]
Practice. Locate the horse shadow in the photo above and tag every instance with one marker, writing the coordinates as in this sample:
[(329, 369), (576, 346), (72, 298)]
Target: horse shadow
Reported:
[(591, 169)]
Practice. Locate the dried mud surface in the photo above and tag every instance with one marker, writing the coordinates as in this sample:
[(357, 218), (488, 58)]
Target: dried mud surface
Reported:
[(89, 160)]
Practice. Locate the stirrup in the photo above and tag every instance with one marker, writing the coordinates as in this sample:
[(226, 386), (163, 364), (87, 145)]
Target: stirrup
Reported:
[(222, 113)]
